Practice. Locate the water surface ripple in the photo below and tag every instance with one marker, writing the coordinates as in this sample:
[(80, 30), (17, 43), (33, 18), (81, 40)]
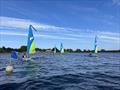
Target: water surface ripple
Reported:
[(72, 71)]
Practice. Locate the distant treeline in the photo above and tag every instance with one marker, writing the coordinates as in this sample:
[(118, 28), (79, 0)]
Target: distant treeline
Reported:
[(24, 48)]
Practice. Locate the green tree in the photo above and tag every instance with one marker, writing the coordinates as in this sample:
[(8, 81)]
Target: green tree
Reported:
[(77, 50), (23, 49), (68, 50)]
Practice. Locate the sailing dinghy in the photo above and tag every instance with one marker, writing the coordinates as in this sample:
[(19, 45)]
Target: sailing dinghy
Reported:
[(55, 50), (62, 49), (95, 49), (96, 46), (30, 44)]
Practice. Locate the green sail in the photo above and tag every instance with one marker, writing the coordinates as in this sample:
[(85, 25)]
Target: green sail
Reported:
[(31, 42), (96, 49), (32, 48), (55, 51), (62, 51)]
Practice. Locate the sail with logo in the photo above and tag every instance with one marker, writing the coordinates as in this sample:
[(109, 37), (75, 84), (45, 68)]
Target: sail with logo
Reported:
[(30, 43)]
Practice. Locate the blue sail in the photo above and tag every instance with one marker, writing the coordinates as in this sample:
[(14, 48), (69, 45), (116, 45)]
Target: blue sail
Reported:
[(95, 46), (14, 55), (31, 42), (61, 46)]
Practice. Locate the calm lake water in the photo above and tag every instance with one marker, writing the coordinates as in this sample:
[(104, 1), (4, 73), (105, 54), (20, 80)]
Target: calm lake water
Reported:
[(72, 71)]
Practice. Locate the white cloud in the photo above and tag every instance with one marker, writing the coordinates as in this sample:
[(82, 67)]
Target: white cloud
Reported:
[(108, 37), (82, 35), (13, 34), (66, 33), (109, 34), (23, 23), (4, 41), (37, 35)]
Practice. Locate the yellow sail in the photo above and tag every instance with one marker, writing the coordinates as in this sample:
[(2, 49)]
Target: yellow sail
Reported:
[(31, 42), (32, 48), (62, 51), (96, 49), (55, 51)]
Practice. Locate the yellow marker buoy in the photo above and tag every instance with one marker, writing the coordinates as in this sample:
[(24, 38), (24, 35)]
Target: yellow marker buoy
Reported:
[(9, 69)]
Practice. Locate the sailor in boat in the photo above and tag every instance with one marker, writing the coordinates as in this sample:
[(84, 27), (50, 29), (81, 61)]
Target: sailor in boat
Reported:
[(24, 55), (95, 49), (90, 55)]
